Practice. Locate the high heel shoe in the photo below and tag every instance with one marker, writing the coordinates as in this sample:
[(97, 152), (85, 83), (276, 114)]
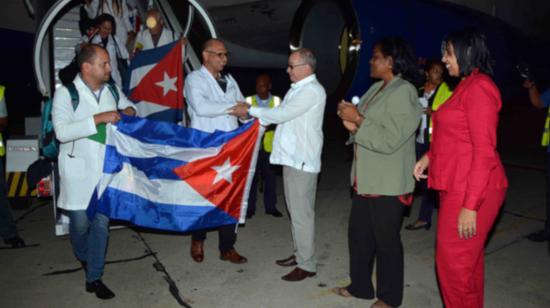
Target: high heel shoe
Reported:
[(415, 226)]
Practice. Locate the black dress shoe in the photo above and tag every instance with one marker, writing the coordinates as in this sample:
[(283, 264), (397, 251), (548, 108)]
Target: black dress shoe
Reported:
[(297, 274), (100, 289), (539, 236), (249, 215), (415, 226), (15, 242), (290, 261), (275, 213)]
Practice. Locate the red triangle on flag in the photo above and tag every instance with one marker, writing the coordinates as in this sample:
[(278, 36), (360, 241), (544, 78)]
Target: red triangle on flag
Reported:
[(163, 84), (221, 179)]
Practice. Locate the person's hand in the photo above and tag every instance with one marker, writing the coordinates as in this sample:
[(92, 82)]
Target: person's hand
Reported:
[(183, 40), (528, 84), (420, 167), (107, 117), (240, 110), (428, 111), (467, 224), (129, 111), (350, 126), (348, 112)]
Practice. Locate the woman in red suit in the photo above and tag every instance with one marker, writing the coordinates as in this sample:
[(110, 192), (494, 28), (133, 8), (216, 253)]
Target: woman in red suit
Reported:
[(465, 168)]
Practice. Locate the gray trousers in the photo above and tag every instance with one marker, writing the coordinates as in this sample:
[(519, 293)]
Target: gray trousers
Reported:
[(300, 188)]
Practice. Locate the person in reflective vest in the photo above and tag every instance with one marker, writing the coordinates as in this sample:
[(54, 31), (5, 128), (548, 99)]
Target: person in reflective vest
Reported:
[(264, 169), (8, 230), (542, 100), (431, 96)]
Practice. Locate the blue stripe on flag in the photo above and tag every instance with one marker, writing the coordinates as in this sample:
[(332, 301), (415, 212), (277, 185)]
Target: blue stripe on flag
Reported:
[(145, 213), (153, 168), (165, 133)]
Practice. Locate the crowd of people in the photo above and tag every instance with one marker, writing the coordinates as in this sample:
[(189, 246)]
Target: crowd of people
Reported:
[(444, 138), (116, 26)]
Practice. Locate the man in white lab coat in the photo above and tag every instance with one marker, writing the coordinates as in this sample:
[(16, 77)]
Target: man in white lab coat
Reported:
[(209, 94), (155, 34), (81, 156)]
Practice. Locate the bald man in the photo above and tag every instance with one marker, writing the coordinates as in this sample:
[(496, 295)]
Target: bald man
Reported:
[(155, 34), (209, 94), (81, 157)]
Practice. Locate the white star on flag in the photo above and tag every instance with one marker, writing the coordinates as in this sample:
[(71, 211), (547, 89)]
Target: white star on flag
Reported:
[(224, 172), (168, 84)]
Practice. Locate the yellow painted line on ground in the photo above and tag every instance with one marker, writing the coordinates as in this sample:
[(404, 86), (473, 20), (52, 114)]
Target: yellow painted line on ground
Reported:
[(24, 188), (13, 184)]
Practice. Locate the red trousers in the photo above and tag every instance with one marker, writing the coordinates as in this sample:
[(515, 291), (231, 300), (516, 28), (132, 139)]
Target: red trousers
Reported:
[(459, 262)]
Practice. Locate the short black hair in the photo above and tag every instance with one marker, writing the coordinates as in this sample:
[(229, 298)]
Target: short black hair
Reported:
[(471, 51), (106, 17), (431, 62), (87, 54), (402, 54)]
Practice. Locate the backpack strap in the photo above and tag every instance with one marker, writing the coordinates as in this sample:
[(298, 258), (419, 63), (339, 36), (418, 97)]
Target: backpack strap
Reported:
[(114, 91), (74, 95)]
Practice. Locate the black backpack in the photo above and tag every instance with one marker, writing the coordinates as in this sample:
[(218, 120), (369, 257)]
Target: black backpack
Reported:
[(49, 145)]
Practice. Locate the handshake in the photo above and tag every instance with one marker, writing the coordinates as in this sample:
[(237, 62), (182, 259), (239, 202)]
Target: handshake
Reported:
[(240, 110)]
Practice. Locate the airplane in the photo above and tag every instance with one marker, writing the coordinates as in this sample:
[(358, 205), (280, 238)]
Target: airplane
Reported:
[(342, 34), (260, 35)]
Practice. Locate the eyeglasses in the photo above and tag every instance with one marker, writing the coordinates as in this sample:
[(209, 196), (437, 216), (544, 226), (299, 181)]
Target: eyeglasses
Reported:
[(218, 54), (292, 66)]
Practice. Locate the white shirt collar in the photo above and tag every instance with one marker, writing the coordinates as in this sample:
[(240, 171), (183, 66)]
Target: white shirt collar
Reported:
[(302, 82)]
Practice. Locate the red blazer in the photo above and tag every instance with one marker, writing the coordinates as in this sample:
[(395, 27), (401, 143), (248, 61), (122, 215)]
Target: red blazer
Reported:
[(463, 154)]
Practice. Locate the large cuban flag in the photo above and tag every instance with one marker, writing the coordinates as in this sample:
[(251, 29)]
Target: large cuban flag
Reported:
[(154, 82), (164, 176)]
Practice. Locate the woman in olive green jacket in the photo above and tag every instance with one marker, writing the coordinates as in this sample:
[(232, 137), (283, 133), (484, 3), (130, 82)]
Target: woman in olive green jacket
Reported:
[(382, 130)]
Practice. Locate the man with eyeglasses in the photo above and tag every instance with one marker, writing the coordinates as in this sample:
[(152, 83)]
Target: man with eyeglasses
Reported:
[(297, 147), (209, 94)]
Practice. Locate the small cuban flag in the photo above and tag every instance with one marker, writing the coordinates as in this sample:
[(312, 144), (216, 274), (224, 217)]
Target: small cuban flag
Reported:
[(154, 82), (163, 176)]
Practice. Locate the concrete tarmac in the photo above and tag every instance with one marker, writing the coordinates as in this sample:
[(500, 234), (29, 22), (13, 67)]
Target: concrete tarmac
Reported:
[(154, 269)]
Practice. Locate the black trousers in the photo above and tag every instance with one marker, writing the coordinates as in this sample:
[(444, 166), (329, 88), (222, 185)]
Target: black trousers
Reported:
[(227, 237), (374, 233)]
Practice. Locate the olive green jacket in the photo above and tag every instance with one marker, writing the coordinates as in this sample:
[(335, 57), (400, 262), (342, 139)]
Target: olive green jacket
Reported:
[(385, 141)]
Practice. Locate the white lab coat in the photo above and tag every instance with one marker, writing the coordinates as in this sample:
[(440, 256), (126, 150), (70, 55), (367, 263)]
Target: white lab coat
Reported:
[(208, 104), (122, 20), (298, 139), (146, 41), (112, 50), (80, 159)]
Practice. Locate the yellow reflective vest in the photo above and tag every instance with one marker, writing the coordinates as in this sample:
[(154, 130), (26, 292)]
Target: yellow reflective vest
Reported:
[(270, 131), (443, 93), (546, 133), (2, 145)]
